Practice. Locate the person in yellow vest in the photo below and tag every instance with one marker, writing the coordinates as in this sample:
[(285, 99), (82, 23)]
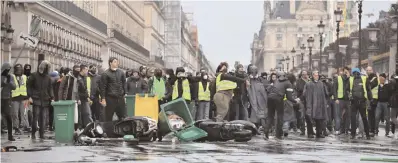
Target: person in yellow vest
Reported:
[(360, 92), (158, 85), (342, 109), (374, 83), (225, 84), (203, 97), (181, 86), (19, 100)]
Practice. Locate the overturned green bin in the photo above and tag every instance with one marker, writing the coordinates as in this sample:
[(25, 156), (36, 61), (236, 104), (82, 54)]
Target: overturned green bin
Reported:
[(64, 113), (189, 132), (130, 102)]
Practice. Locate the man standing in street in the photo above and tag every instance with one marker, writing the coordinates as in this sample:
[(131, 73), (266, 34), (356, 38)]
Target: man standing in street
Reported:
[(7, 85), (374, 83), (40, 92), (84, 100), (360, 92), (19, 99), (300, 84), (342, 107), (113, 90)]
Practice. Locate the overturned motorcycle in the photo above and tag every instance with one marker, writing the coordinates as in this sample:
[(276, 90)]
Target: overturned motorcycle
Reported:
[(130, 130), (238, 130)]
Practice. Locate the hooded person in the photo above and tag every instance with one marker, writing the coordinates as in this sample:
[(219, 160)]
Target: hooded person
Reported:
[(171, 78), (27, 70), (68, 87), (280, 89), (40, 93), (257, 97), (136, 84), (224, 87), (158, 85), (290, 112), (19, 100), (315, 94), (7, 86)]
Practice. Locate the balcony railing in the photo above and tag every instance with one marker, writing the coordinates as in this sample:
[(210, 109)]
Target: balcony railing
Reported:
[(132, 44), (71, 9)]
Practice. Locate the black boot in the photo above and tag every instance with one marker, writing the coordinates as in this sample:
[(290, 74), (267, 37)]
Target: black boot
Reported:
[(10, 137)]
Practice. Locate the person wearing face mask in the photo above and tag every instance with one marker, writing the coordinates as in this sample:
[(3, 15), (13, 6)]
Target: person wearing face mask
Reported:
[(203, 97), (68, 86), (135, 84), (171, 78), (27, 70), (315, 94), (93, 89), (342, 110), (7, 86), (360, 92), (157, 85), (40, 93), (19, 100), (225, 84)]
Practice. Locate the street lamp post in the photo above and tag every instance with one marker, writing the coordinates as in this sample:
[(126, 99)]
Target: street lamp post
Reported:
[(287, 63), (321, 28), (338, 13), (360, 30), (293, 55), (302, 48), (283, 64), (310, 42)]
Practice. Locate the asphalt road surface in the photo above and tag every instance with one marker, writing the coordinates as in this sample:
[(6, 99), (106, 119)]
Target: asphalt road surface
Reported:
[(294, 148)]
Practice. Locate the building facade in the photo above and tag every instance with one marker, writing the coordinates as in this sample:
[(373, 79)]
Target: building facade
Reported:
[(288, 25), (90, 32), (154, 32)]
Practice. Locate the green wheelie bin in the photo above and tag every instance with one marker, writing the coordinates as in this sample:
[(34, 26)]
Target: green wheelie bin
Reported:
[(179, 107), (64, 113), (130, 102)]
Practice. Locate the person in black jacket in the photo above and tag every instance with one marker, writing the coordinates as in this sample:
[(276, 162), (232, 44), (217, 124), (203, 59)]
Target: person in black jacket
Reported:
[(303, 79), (393, 89), (7, 85), (276, 93), (113, 90), (135, 84), (382, 105), (40, 93), (85, 116)]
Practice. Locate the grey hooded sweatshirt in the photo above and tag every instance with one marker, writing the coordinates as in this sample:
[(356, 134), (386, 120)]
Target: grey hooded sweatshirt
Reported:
[(7, 82)]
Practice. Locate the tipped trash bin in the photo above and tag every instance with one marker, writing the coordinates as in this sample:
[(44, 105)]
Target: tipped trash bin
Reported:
[(64, 113), (130, 102), (147, 105), (186, 132)]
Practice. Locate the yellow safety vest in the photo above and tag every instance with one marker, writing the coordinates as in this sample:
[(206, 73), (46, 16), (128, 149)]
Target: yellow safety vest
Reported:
[(340, 87), (88, 85), (186, 94), (363, 85), (284, 99), (204, 95), (20, 90), (223, 85), (375, 90)]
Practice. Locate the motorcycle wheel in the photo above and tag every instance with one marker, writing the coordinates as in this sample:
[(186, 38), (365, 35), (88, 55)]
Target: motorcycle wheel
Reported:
[(243, 139), (243, 134)]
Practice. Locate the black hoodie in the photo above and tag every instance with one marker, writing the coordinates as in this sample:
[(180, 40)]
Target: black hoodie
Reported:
[(39, 86), (281, 87)]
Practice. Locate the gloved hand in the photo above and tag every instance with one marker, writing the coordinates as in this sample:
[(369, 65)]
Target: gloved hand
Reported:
[(297, 100)]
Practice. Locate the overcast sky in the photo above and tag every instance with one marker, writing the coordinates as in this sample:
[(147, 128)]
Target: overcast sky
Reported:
[(226, 28)]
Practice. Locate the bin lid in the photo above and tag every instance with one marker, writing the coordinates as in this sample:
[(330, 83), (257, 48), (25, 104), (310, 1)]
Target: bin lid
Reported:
[(63, 102), (190, 133)]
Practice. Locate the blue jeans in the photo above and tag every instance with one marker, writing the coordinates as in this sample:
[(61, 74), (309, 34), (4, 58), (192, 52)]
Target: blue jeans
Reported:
[(203, 110), (382, 107)]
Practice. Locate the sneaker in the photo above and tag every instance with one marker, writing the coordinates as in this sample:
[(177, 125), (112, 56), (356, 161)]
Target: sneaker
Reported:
[(11, 138)]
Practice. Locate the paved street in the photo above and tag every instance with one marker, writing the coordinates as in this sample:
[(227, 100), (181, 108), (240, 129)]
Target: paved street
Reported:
[(293, 149)]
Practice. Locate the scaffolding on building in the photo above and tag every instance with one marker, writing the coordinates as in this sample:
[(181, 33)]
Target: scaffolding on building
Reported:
[(172, 13)]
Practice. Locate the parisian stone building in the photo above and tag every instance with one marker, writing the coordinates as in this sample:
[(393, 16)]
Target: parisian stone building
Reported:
[(288, 24)]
